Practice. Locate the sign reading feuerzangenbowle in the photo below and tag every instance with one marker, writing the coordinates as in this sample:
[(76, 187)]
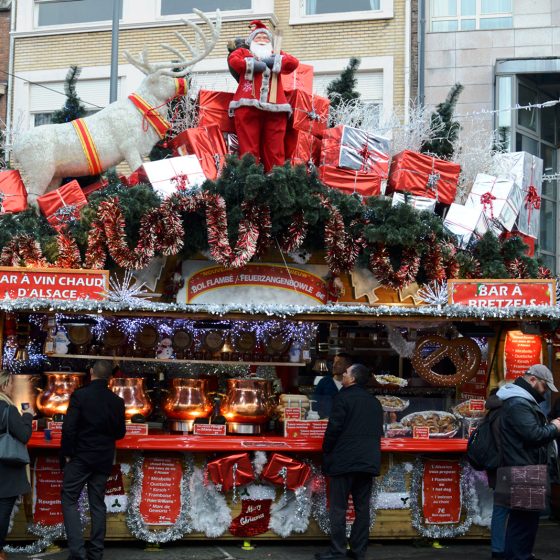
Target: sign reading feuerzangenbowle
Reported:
[(53, 283)]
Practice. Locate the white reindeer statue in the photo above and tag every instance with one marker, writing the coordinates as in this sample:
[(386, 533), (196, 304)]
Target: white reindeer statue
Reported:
[(124, 130)]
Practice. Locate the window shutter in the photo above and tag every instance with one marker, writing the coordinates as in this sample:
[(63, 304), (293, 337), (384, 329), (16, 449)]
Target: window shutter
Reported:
[(369, 84)]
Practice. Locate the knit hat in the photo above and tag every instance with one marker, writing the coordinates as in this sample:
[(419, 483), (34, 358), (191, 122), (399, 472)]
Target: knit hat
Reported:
[(259, 27), (542, 372)]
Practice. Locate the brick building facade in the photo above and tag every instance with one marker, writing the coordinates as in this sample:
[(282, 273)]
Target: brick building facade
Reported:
[(5, 7)]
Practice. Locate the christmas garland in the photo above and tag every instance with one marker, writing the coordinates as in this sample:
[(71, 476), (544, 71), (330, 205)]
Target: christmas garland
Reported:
[(380, 265)]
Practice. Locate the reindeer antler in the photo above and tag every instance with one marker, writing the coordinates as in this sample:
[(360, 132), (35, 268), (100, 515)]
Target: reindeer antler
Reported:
[(202, 41)]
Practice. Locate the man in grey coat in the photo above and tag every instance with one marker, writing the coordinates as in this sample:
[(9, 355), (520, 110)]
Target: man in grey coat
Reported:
[(351, 458)]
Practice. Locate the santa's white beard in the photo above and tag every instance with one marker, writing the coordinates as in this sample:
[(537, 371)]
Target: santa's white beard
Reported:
[(261, 50)]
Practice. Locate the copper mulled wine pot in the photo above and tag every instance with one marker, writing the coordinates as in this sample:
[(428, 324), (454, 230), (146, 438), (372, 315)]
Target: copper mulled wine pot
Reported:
[(246, 401), (55, 398), (132, 390), (187, 399)]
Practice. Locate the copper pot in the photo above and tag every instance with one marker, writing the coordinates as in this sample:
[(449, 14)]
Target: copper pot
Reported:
[(132, 390), (54, 399), (246, 401), (187, 399)]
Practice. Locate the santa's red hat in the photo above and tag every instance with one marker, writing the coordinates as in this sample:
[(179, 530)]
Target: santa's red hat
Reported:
[(258, 27)]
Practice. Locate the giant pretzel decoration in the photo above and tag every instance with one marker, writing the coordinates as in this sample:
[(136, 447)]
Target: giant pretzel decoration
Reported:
[(463, 352)]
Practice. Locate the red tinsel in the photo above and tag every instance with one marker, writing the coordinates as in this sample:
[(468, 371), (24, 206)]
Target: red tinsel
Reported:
[(380, 265), (23, 250), (517, 269), (433, 261), (544, 272), (292, 239), (68, 252)]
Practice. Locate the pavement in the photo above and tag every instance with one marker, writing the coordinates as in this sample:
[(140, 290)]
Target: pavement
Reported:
[(547, 548)]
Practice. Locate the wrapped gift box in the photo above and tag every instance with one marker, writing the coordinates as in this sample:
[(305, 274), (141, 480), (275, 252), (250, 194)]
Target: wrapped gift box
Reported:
[(417, 202), (527, 171), (498, 197), (310, 112), (13, 195), (283, 470), (62, 206), (424, 175), (350, 181), (169, 175), (352, 148), (528, 240), (465, 222), (298, 146), (207, 144), (213, 108), (300, 79), (222, 472)]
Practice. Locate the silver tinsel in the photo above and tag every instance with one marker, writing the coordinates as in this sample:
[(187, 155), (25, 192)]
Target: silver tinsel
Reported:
[(399, 344), (126, 292), (434, 293), (134, 521), (393, 492), (291, 513), (467, 502)]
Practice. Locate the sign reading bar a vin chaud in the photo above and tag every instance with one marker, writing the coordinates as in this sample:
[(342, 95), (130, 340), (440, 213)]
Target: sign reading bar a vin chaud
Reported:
[(502, 293)]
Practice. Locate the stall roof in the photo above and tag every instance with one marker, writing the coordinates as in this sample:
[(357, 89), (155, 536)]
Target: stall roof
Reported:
[(338, 312)]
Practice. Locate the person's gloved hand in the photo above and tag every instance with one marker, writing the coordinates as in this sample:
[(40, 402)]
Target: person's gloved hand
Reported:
[(258, 66), (269, 61)]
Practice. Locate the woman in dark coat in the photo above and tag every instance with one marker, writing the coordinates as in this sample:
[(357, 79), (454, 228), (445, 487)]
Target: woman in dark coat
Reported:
[(13, 478)]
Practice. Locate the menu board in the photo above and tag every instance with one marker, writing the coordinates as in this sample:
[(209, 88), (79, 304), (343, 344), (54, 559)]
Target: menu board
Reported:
[(521, 351), (160, 501), (441, 492), (47, 486)]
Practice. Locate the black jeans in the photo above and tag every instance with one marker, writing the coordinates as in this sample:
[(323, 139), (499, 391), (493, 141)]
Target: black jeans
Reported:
[(341, 487), (76, 475), (6, 507), (521, 532)]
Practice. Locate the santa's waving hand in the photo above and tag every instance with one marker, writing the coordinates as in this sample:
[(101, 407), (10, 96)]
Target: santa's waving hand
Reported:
[(260, 121)]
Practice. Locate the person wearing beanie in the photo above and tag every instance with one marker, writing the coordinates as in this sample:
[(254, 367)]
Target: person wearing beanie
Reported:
[(259, 106)]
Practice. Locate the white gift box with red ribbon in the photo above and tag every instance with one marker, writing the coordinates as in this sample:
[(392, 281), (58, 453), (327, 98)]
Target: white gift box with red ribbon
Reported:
[(465, 222), (417, 202), (170, 175), (499, 198), (527, 172)]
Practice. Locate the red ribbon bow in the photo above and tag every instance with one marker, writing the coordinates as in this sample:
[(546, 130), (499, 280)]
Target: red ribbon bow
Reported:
[(365, 153), (487, 200), (532, 201)]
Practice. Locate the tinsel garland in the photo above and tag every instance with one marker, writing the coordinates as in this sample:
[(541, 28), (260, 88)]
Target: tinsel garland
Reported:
[(23, 250), (320, 511), (433, 261), (342, 250), (291, 513), (380, 265), (134, 521), (292, 239), (399, 344), (68, 252), (441, 531), (517, 269), (434, 293)]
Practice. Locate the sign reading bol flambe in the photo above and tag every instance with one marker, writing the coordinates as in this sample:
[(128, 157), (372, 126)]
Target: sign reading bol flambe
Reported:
[(53, 283), (502, 293)]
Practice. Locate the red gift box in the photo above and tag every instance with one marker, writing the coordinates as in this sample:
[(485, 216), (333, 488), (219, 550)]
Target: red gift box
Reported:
[(527, 239), (300, 79), (282, 469), (213, 108), (136, 177), (424, 175), (63, 205), (353, 148), (207, 144), (310, 112), (298, 146), (13, 195), (350, 181), (230, 471)]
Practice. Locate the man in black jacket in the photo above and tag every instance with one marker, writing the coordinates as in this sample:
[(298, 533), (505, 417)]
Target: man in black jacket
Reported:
[(94, 421), (351, 458), (527, 439)]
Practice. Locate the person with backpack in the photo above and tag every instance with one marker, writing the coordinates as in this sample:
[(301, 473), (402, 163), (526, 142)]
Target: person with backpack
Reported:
[(527, 438)]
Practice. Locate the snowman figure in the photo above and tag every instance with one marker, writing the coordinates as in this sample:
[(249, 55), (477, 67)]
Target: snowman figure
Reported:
[(165, 349), (61, 342)]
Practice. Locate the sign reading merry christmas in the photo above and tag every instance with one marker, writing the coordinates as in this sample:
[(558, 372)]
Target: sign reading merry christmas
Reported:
[(59, 283)]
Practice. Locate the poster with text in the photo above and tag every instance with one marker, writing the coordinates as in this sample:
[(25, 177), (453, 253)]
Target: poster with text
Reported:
[(521, 351), (441, 492), (47, 486)]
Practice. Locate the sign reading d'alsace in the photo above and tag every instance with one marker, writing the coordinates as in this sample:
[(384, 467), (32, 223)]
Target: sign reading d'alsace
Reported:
[(502, 293), (53, 283)]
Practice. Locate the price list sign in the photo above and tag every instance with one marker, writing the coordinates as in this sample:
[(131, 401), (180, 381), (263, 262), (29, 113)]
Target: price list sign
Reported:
[(47, 486), (441, 492), (160, 502)]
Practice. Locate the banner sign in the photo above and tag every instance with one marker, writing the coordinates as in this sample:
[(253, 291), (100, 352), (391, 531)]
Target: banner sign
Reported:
[(160, 501), (116, 499), (253, 518), (501, 293), (441, 492), (262, 282), (53, 283), (521, 351), (47, 486), (475, 388)]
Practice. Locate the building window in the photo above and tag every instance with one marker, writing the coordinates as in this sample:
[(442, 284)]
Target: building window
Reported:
[(466, 15), (64, 12), (40, 119), (173, 7), (315, 7)]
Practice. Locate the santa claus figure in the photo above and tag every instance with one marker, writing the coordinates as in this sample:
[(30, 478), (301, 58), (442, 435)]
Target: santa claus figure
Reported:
[(259, 105)]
